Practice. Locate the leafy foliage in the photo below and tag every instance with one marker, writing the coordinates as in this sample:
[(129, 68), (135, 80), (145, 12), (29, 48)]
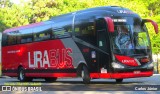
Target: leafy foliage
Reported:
[(31, 11)]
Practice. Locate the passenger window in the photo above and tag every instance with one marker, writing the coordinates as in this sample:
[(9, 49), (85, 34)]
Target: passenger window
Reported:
[(61, 33), (42, 33), (85, 28), (25, 36), (12, 37), (76, 29), (62, 27), (4, 39)]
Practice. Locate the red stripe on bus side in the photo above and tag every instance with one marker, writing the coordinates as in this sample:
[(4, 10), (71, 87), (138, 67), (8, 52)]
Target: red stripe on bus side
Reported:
[(51, 74), (11, 74), (92, 75)]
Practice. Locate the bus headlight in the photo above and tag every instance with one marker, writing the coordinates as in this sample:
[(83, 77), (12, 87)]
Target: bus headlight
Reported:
[(150, 65), (116, 65)]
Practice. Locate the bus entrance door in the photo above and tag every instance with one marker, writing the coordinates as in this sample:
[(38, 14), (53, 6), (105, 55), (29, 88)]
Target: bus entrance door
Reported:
[(103, 47)]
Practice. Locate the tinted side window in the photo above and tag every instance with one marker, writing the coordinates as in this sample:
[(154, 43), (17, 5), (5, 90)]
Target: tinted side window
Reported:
[(85, 28), (42, 33), (4, 39), (11, 40), (62, 27), (24, 36)]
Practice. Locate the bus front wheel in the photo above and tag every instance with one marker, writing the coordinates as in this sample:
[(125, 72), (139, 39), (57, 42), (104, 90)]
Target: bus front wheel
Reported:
[(85, 75), (119, 80)]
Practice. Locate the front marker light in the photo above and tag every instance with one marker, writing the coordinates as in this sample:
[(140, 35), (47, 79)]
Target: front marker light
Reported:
[(116, 65)]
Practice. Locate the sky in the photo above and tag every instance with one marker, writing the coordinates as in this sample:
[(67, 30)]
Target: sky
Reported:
[(17, 1)]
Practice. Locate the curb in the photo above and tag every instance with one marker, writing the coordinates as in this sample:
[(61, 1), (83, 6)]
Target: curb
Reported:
[(5, 77)]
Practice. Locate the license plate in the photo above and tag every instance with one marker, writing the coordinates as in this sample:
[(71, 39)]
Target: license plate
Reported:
[(137, 72), (103, 70)]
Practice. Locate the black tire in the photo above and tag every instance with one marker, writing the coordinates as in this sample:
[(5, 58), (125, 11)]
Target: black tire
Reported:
[(119, 80), (51, 79), (22, 77), (85, 75)]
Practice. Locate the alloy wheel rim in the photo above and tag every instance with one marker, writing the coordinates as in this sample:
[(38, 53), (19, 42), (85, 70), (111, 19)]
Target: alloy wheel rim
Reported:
[(21, 75)]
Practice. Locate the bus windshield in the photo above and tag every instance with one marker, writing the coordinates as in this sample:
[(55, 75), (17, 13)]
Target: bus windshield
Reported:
[(130, 37)]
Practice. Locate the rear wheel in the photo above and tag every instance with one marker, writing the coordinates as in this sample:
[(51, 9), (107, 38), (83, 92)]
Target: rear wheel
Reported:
[(52, 79), (85, 75), (119, 80), (21, 75)]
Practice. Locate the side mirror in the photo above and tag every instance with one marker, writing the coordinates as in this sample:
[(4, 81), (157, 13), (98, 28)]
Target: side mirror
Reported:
[(153, 23), (110, 24)]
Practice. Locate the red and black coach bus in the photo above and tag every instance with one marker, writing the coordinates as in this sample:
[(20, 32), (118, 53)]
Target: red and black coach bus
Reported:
[(103, 42)]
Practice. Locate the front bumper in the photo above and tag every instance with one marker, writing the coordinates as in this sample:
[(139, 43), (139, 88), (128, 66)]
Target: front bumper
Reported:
[(133, 74), (122, 75)]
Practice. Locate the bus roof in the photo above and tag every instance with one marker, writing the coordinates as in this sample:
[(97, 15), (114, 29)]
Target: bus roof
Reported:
[(109, 9), (23, 27), (112, 9)]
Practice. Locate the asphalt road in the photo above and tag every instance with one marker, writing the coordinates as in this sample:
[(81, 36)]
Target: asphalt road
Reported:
[(144, 85)]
